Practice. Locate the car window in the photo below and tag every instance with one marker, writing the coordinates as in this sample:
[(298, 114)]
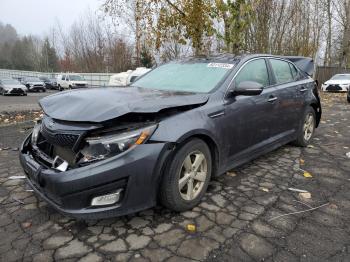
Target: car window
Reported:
[(282, 71), (255, 71), (76, 78), (63, 77)]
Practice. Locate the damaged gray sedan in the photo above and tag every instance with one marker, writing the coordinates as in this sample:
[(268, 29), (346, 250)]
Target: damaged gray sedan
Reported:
[(113, 151)]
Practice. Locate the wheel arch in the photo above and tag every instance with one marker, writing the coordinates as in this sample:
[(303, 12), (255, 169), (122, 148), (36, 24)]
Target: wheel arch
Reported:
[(318, 112), (211, 143)]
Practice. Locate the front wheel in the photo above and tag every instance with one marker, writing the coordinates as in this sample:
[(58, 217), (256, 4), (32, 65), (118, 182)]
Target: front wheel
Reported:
[(307, 128), (187, 176)]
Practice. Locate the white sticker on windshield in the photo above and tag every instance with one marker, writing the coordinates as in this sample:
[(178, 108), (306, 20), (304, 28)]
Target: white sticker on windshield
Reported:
[(221, 65)]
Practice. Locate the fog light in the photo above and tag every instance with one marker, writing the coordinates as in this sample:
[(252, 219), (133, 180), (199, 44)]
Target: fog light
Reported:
[(106, 199)]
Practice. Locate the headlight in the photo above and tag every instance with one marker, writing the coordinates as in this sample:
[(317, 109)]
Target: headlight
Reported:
[(99, 148)]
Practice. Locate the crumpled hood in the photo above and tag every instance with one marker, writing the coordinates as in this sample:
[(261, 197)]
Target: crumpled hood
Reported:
[(102, 104)]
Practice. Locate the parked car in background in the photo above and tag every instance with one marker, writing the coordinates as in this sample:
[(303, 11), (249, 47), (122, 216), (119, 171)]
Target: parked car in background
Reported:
[(70, 81), (50, 83), (338, 83), (348, 95), (105, 152), (34, 84), (125, 78), (10, 86)]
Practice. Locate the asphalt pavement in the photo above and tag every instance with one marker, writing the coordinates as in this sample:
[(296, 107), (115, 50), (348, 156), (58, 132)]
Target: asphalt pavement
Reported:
[(22, 103), (252, 213)]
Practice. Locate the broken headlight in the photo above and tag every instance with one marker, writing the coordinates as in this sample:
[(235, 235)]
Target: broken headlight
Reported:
[(103, 147)]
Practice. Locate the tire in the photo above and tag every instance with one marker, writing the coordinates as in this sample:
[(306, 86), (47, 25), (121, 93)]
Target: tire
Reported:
[(183, 198), (59, 88), (304, 136)]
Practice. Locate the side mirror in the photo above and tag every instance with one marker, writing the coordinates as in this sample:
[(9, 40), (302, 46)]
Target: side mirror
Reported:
[(247, 88)]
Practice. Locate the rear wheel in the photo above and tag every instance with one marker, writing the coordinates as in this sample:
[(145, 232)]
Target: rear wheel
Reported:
[(186, 179), (307, 128)]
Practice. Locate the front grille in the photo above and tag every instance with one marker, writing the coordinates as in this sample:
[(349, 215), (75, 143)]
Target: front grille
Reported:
[(80, 84), (333, 88), (65, 140), (38, 86)]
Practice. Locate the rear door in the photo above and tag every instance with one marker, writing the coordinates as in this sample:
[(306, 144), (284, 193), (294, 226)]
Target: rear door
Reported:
[(286, 88)]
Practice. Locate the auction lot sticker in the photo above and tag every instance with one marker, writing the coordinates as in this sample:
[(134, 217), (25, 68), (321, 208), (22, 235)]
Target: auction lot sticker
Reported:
[(220, 65)]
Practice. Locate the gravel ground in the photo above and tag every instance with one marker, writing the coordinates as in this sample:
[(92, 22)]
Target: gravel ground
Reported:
[(237, 220)]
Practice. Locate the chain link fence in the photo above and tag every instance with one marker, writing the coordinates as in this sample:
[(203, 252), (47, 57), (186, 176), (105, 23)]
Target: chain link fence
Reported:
[(93, 79)]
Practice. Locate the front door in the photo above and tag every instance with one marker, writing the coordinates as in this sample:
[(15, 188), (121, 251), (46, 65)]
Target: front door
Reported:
[(248, 118)]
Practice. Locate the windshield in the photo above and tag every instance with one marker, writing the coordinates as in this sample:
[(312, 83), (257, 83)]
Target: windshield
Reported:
[(187, 77), (32, 79), (75, 78), (9, 82), (341, 77)]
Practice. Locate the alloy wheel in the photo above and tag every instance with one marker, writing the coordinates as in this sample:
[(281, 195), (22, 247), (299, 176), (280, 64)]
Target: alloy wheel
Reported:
[(193, 174), (309, 125)]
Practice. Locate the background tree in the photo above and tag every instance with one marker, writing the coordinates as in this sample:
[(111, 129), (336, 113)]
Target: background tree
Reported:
[(49, 58)]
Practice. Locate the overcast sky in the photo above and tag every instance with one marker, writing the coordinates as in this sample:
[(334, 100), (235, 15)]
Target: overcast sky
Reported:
[(37, 16)]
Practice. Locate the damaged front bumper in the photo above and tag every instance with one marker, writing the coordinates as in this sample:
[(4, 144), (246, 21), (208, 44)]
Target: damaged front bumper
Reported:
[(135, 174)]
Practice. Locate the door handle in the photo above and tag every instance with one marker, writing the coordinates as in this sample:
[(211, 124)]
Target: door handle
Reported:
[(272, 99), (303, 89)]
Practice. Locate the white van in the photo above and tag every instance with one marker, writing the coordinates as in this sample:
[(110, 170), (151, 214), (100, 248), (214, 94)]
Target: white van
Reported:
[(70, 81)]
